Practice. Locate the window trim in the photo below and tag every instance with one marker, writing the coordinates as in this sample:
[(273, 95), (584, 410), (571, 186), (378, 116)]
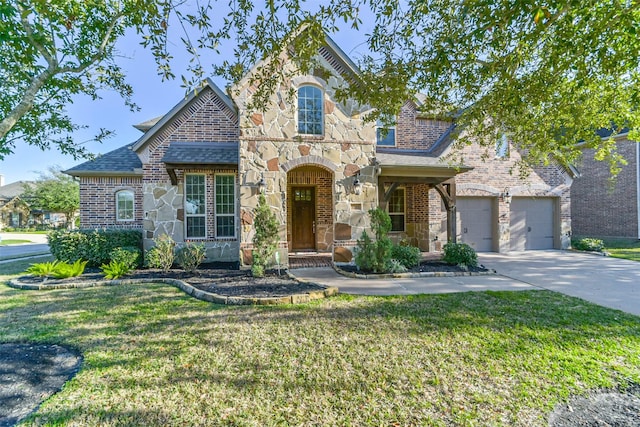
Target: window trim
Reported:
[(133, 205), (187, 215), (403, 213), (322, 113), (234, 204)]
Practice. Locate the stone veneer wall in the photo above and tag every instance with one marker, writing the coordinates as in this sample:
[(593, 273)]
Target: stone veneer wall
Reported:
[(601, 208), (97, 199), (205, 119)]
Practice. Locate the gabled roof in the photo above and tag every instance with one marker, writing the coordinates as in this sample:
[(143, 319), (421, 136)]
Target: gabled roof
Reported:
[(178, 108), (14, 189), (122, 161)]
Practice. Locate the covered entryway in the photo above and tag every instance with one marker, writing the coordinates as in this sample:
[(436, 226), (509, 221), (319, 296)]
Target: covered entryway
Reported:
[(310, 209), (476, 222), (532, 223)]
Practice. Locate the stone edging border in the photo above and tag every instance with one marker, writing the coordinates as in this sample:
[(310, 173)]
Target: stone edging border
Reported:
[(491, 272), (192, 291)]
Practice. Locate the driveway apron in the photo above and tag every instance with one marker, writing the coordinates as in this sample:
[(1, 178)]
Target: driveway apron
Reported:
[(607, 281)]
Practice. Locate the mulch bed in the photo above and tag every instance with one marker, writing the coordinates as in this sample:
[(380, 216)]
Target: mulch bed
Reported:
[(218, 278), (427, 266)]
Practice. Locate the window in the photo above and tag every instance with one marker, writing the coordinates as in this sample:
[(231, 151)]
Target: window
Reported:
[(396, 210), (310, 111), (124, 205), (195, 205), (225, 206), (385, 135), (502, 147)]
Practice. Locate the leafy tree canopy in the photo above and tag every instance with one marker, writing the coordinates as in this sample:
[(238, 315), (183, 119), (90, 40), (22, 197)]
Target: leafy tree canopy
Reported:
[(547, 74), (54, 192)]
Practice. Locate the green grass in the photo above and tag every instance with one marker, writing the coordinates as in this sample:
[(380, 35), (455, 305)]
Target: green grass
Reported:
[(12, 268), (27, 232), (623, 248), (154, 356), (6, 242)]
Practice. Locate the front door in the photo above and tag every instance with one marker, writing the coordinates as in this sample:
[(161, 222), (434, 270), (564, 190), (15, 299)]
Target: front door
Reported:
[(303, 219)]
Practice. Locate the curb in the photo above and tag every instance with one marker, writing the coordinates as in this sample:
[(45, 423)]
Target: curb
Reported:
[(351, 275), (191, 291)]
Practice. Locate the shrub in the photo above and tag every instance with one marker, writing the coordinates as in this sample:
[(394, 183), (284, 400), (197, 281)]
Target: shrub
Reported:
[(265, 239), (588, 244), (64, 270), (116, 269), (42, 269), (375, 255), (129, 255), (162, 254), (190, 256), (460, 254), (408, 256), (395, 266), (94, 246), (257, 270)]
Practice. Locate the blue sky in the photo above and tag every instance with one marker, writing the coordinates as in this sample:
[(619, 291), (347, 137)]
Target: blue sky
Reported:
[(153, 96)]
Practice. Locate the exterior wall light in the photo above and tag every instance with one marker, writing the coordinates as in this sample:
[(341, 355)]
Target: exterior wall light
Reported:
[(262, 185), (357, 185), (506, 196)]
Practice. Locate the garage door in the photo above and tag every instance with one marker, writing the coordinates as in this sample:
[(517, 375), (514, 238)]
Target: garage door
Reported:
[(475, 222), (532, 223)]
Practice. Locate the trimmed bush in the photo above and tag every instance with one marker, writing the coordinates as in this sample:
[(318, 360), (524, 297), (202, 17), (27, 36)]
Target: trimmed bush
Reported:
[(162, 254), (93, 246), (266, 237), (588, 244), (128, 255), (408, 256), (460, 254), (375, 255), (190, 256)]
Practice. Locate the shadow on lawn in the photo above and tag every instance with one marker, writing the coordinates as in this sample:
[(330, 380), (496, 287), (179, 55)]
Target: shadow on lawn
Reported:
[(177, 341)]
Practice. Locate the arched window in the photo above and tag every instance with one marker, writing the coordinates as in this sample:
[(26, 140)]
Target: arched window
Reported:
[(124, 205), (310, 111)]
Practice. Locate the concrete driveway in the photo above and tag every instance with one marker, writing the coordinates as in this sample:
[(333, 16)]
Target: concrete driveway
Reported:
[(606, 281)]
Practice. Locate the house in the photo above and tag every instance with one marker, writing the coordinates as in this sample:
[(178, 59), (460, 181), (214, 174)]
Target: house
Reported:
[(14, 212), (196, 172), (604, 208)]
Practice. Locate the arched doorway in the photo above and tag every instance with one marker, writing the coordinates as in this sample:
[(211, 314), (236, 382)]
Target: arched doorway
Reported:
[(310, 209)]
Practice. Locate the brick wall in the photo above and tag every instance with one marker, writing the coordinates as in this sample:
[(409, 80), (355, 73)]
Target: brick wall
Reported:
[(602, 208), (98, 203), (205, 119), (415, 133)]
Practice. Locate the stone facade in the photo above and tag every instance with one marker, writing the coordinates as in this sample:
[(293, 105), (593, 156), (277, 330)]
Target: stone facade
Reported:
[(272, 151), (601, 207)]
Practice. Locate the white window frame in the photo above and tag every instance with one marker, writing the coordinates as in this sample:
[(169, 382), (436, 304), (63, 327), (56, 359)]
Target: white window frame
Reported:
[(321, 110), (133, 205), (403, 213), (233, 204), (191, 215), (380, 125)]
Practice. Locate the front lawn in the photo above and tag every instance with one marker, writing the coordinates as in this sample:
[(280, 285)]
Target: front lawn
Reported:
[(624, 248), (6, 242), (154, 356)]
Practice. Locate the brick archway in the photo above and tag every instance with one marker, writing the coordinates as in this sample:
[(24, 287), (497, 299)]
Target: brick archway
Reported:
[(310, 161)]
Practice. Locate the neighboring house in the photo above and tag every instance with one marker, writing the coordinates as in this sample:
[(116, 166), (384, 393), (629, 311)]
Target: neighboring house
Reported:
[(604, 208), (14, 212), (196, 172)]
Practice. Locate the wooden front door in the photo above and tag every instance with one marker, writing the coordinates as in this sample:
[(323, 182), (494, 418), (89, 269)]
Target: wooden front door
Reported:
[(303, 218)]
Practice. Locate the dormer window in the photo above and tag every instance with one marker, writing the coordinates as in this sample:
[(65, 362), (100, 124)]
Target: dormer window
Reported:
[(310, 111), (385, 134)]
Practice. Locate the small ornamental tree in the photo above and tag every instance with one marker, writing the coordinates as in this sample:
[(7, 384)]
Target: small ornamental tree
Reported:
[(376, 256), (265, 239)]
